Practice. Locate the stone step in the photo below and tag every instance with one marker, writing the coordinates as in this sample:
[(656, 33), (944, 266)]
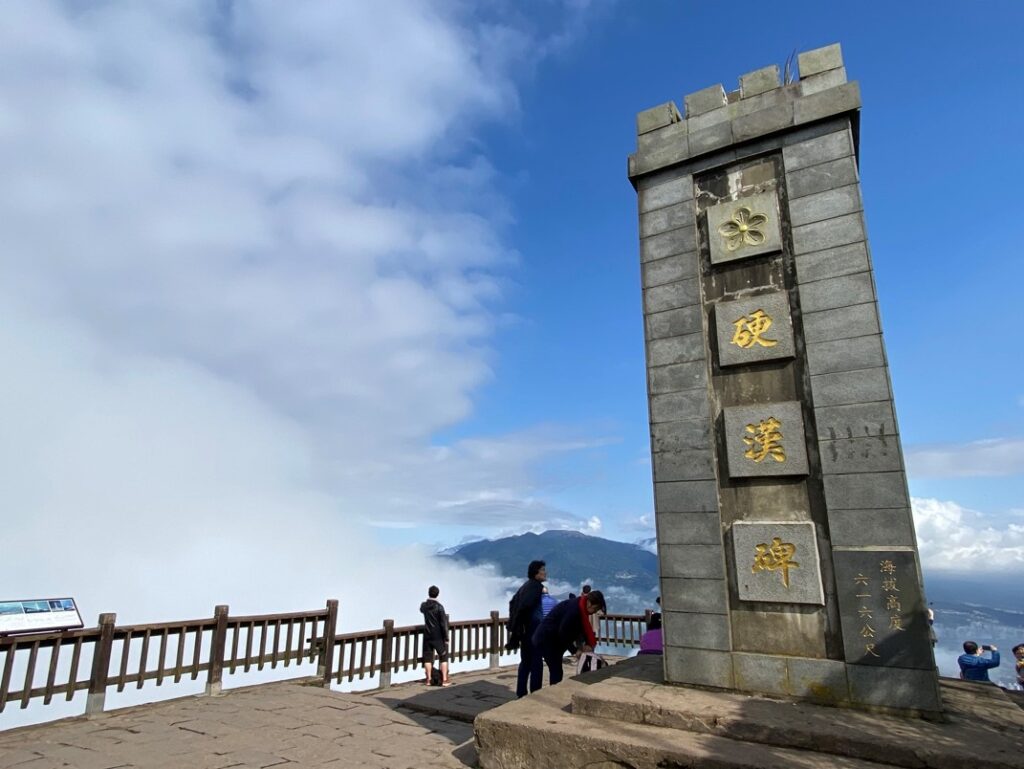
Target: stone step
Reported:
[(540, 732), (984, 728)]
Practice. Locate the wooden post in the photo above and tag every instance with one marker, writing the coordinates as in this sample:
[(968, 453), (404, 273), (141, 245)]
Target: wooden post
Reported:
[(327, 649), (220, 637), (495, 641), (387, 654), (100, 665)]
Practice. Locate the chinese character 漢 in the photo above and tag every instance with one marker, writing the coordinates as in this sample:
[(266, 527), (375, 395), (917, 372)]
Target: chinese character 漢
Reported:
[(766, 441), (778, 556), (888, 567), (750, 328)]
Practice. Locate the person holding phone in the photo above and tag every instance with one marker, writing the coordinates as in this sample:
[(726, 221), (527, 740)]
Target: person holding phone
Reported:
[(974, 666)]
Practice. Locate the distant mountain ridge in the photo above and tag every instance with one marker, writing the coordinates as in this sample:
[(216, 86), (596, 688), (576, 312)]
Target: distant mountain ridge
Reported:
[(571, 557)]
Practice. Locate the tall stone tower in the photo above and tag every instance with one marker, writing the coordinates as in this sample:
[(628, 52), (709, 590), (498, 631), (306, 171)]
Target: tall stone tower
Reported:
[(788, 556)]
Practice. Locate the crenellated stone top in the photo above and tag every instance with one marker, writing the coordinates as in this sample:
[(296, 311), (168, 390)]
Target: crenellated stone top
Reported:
[(715, 119)]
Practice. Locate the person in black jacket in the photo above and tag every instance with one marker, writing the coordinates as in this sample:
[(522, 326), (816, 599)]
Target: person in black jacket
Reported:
[(525, 614), (435, 635), (564, 627)]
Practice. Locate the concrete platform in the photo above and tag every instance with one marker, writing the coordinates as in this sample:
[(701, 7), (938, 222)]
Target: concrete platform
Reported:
[(625, 718)]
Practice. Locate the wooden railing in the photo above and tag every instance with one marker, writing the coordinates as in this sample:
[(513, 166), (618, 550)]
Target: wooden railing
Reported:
[(94, 659)]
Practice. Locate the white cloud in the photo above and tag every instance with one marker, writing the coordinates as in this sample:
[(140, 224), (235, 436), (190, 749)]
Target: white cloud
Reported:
[(954, 538), (985, 458), (251, 264)]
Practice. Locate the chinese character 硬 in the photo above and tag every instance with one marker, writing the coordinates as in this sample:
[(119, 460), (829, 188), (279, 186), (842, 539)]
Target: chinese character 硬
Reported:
[(778, 556), (750, 328), (870, 649), (889, 584), (766, 441), (887, 567), (896, 622), (892, 602)]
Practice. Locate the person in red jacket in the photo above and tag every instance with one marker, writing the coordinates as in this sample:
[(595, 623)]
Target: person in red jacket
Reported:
[(564, 626)]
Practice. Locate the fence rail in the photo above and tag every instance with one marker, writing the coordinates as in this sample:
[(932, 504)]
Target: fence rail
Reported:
[(95, 659)]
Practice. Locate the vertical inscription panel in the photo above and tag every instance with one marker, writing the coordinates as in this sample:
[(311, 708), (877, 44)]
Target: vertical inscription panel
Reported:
[(883, 613)]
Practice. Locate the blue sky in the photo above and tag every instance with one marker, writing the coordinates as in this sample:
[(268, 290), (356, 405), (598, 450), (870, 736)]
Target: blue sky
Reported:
[(333, 287)]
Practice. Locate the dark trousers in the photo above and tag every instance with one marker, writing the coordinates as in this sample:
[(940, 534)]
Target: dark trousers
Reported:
[(552, 655), (531, 666)]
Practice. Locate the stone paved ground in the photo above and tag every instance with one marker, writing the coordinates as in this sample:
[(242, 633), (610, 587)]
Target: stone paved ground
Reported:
[(289, 725)]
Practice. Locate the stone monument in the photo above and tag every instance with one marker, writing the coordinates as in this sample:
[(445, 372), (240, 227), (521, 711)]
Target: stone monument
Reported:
[(788, 557)]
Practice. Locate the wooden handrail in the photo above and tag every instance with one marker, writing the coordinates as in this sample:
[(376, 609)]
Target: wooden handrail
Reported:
[(121, 655)]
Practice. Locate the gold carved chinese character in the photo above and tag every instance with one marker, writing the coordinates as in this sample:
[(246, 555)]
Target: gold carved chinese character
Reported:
[(749, 330), (896, 622), (778, 556), (892, 602), (890, 585), (867, 631), (765, 441), (744, 229), (864, 612), (860, 579), (887, 567), (870, 649)]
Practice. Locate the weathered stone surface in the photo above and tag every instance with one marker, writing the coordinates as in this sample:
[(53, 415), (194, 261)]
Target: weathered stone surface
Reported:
[(765, 121), (819, 149), (702, 667), (669, 270), (832, 293), (711, 138), (871, 528), (823, 176), (817, 679), (754, 329), (668, 218), (686, 497), (665, 190), (828, 234), (675, 349), (863, 386), (697, 631), (689, 529), (894, 687), (875, 454), (707, 596), (672, 295), (704, 100), (682, 435), (657, 117), (683, 320), (787, 571), (760, 673), (822, 81), (689, 404), (834, 101), (707, 119), (859, 420), (684, 465), (661, 147), (681, 241), (845, 354), (824, 205), (728, 225), (841, 322), (755, 448), (832, 263), (820, 60), (677, 377), (866, 490), (691, 561), (759, 81)]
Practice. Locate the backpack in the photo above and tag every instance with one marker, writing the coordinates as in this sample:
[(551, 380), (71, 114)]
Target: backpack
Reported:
[(515, 623), (435, 677)]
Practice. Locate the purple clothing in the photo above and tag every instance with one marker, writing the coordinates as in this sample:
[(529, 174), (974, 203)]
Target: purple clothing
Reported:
[(651, 642)]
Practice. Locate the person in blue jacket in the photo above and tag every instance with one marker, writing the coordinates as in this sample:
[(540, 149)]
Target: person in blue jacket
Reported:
[(974, 666)]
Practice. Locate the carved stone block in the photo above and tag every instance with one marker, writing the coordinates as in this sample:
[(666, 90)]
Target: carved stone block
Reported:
[(777, 562), (746, 227), (765, 440), (754, 330)]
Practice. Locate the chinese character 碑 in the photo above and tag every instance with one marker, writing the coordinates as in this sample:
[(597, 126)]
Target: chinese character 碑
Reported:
[(750, 328), (778, 556), (766, 441)]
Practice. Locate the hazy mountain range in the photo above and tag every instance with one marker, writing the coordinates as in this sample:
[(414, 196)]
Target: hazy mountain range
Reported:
[(988, 610)]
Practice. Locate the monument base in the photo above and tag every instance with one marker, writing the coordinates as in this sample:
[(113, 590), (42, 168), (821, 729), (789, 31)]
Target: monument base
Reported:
[(624, 717)]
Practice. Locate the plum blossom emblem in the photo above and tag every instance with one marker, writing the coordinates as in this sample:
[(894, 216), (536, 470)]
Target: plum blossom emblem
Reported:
[(744, 229)]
